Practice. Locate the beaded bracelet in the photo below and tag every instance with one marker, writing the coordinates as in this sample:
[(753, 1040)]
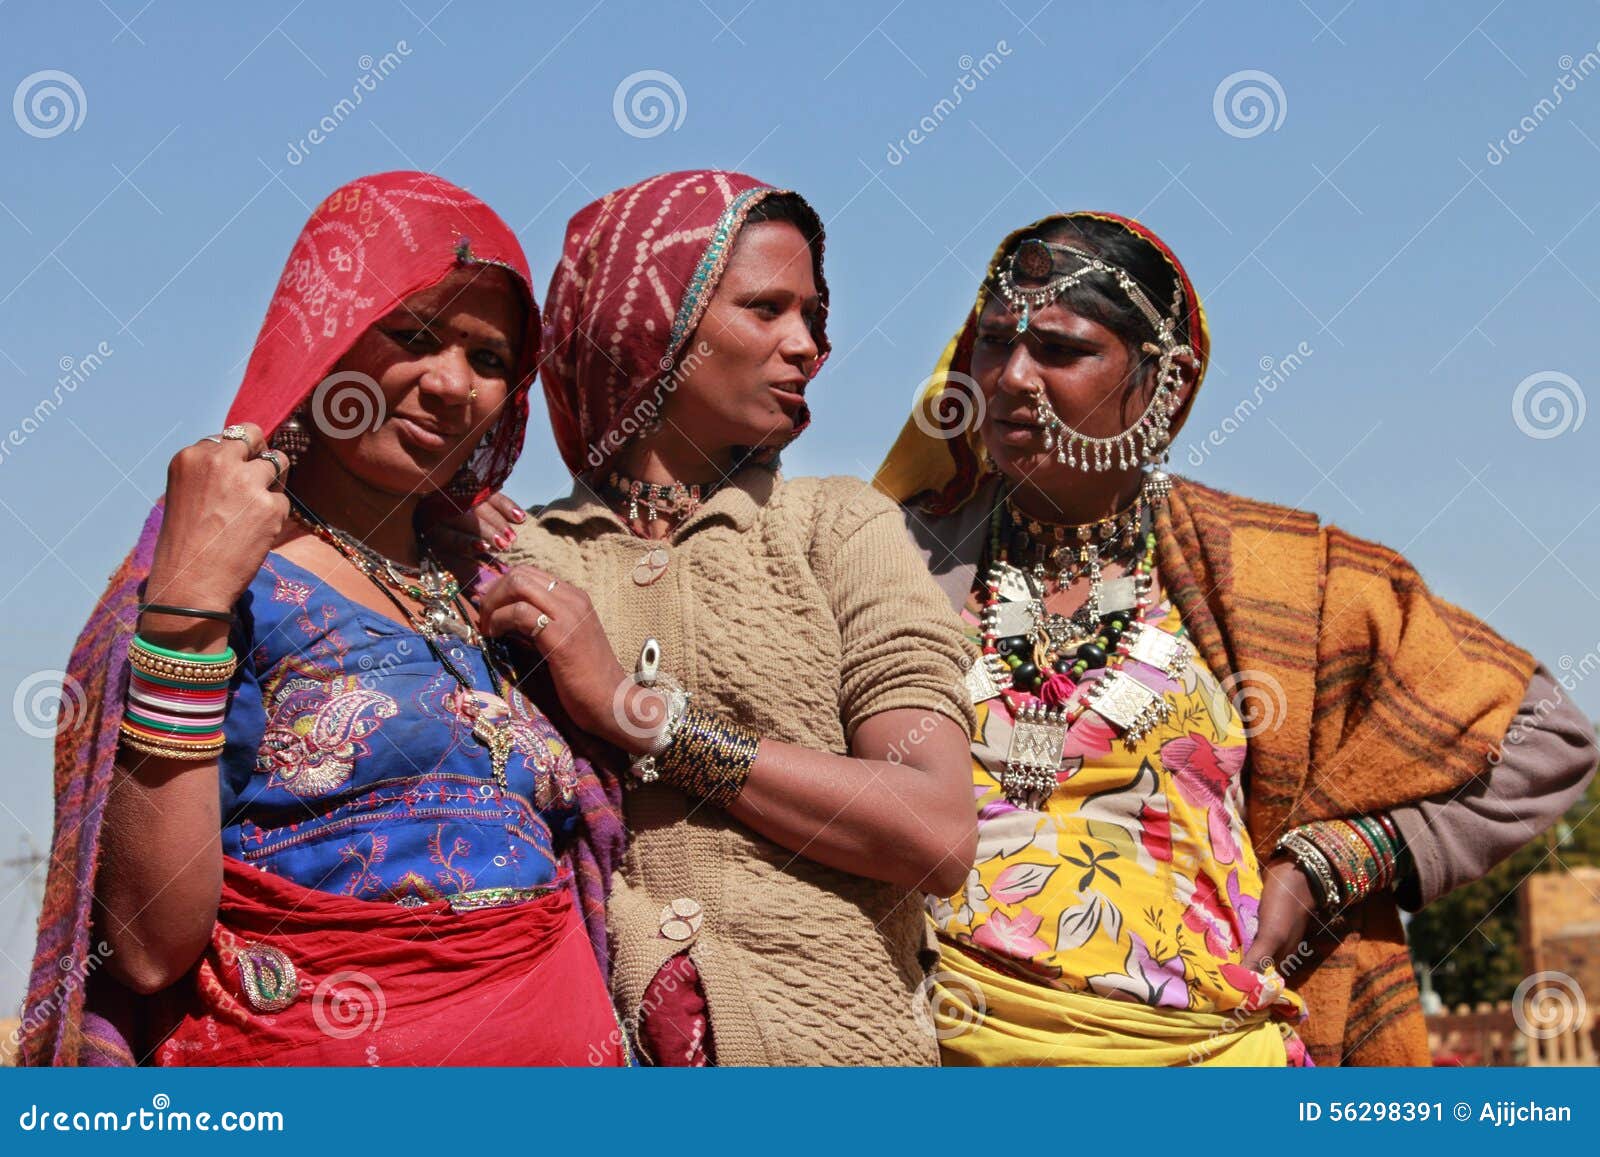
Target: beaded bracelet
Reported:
[(176, 701), (709, 756)]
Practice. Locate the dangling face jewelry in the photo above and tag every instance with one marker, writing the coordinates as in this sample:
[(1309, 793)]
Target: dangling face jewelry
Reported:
[(1036, 275)]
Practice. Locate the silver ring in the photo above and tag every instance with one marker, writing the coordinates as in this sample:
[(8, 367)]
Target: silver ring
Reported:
[(539, 625), (236, 433), (552, 585), (277, 459), (212, 438)]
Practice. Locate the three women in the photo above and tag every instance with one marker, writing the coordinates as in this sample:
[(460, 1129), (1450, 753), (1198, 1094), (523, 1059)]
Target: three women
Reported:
[(1152, 869)]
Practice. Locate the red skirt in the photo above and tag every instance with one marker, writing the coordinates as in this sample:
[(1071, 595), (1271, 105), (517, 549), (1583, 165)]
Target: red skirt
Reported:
[(299, 977)]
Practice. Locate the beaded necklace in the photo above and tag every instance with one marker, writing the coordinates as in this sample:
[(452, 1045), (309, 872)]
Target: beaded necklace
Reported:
[(430, 584), (444, 617), (1038, 659)]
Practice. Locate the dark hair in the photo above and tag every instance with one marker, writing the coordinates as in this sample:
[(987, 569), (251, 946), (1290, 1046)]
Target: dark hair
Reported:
[(1099, 298), (792, 209)]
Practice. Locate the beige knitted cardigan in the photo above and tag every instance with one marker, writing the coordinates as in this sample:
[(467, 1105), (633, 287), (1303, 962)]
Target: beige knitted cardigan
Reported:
[(799, 607)]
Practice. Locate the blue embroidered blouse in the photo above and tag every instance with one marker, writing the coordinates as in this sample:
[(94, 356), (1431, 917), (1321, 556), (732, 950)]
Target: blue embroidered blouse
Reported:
[(351, 767)]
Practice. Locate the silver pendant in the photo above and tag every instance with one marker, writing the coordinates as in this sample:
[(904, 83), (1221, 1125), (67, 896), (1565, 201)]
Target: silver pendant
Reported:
[(1038, 734), (1155, 648), (1128, 705), (1011, 619), (980, 681), (1118, 594), (1015, 585)]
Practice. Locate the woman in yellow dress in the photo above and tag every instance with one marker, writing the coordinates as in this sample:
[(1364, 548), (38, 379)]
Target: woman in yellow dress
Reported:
[(1160, 880)]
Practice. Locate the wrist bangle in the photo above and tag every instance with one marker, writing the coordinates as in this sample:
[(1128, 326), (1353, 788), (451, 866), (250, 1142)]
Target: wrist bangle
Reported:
[(644, 768), (1361, 855), (186, 612), (176, 701), (709, 757), (1310, 860)]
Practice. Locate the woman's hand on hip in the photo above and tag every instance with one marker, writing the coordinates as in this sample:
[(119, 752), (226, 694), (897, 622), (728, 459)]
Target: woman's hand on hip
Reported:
[(560, 622), (225, 509), (1287, 912)]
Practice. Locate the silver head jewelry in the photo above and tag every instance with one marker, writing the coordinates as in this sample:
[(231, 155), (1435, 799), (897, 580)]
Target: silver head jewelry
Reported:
[(1145, 442)]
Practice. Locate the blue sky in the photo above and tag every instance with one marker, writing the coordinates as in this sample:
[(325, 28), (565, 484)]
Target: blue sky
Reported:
[(1436, 277)]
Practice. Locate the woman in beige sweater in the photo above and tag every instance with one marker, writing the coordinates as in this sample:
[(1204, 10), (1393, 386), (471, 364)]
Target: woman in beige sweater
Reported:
[(806, 778)]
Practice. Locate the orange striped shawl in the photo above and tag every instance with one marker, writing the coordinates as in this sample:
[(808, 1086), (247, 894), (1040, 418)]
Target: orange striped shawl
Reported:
[(1368, 692)]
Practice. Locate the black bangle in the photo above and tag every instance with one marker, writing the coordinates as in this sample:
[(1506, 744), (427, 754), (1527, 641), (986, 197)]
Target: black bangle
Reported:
[(186, 612)]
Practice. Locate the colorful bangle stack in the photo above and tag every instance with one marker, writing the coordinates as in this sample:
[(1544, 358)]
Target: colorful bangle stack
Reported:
[(176, 701), (1347, 860), (709, 756)]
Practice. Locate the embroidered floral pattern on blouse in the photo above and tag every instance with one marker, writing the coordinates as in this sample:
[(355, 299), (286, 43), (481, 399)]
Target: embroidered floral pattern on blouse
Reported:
[(351, 764), (317, 727)]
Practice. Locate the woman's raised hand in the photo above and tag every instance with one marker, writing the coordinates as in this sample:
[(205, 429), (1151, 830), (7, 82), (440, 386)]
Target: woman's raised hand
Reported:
[(225, 509), (558, 619), (464, 540)]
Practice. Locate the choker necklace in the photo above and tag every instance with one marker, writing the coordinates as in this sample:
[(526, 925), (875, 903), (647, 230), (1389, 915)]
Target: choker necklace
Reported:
[(660, 500), (1073, 551)]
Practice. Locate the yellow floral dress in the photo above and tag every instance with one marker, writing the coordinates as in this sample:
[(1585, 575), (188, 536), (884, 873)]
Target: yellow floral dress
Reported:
[(1135, 883)]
